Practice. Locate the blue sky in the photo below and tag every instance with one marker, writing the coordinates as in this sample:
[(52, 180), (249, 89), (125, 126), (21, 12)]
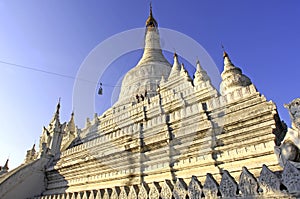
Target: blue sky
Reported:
[(261, 37)]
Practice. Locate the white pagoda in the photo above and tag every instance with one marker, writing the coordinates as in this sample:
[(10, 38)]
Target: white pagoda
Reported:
[(167, 136)]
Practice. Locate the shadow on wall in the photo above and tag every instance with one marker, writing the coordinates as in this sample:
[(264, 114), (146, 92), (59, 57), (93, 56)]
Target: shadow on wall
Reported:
[(55, 182), (25, 181)]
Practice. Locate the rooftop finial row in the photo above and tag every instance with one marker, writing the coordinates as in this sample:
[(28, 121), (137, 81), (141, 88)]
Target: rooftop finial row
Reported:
[(232, 76)]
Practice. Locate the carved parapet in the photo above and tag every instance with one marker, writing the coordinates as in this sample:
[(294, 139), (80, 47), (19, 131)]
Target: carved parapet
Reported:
[(194, 188), (144, 190), (92, 194), (107, 193), (74, 195), (133, 193), (124, 192), (248, 184), (268, 181), (68, 195), (115, 192), (99, 194), (84, 195), (61, 196), (228, 186), (211, 187), (180, 189), (154, 190), (291, 178), (166, 190), (79, 195)]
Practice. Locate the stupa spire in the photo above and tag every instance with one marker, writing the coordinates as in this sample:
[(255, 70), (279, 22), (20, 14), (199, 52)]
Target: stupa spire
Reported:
[(152, 49), (184, 73), (71, 124), (232, 76), (150, 68), (55, 120), (175, 68), (5, 167), (198, 66), (56, 116), (227, 61), (200, 74)]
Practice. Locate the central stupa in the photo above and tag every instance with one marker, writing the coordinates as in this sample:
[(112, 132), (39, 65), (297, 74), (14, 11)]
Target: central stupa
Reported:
[(146, 75)]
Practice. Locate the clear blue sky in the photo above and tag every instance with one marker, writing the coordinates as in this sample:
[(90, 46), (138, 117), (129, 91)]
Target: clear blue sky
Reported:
[(261, 37)]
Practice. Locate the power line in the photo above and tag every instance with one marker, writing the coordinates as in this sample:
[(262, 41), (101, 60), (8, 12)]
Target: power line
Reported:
[(36, 69), (53, 73)]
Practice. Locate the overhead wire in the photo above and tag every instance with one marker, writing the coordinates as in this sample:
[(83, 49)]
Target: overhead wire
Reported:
[(54, 73)]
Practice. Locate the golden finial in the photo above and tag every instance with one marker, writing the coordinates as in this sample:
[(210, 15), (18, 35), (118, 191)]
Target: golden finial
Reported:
[(224, 52), (175, 54), (151, 22)]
